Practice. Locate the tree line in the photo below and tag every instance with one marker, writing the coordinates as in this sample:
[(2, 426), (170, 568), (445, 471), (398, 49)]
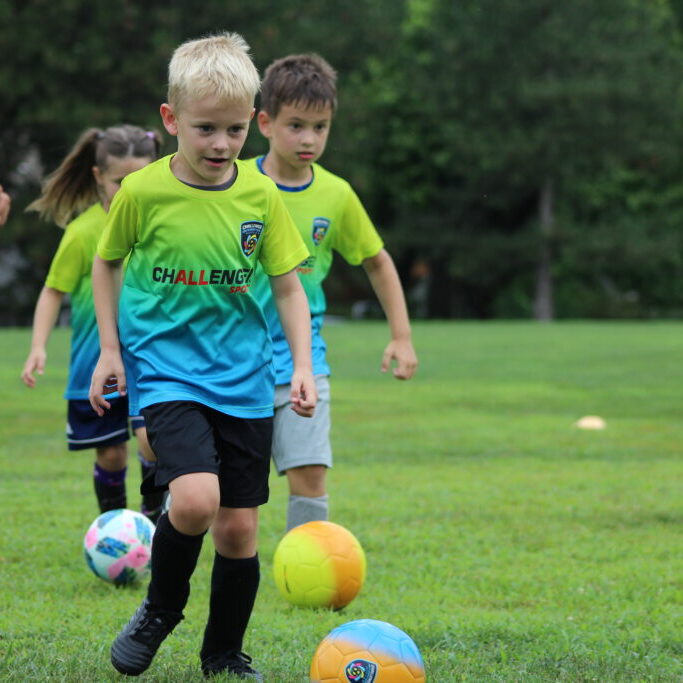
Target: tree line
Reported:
[(520, 157)]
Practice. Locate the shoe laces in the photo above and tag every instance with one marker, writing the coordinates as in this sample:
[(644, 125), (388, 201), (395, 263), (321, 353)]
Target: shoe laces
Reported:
[(155, 625), (238, 661)]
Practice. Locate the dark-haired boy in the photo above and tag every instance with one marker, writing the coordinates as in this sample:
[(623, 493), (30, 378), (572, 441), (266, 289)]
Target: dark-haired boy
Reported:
[(298, 100)]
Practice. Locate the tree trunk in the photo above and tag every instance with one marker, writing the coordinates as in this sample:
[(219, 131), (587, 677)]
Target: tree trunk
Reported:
[(544, 308)]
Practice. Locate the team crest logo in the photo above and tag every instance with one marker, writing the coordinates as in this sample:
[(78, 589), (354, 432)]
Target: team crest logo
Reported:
[(250, 232), (360, 671), (320, 227)]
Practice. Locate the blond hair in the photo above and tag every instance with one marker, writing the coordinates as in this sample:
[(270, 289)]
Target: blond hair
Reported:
[(71, 187), (218, 65)]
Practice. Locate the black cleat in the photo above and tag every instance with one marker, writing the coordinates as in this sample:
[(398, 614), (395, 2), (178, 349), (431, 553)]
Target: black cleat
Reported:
[(134, 648), (235, 663)]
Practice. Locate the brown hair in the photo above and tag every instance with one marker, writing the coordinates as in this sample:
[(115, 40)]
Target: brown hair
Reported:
[(71, 187), (306, 80)]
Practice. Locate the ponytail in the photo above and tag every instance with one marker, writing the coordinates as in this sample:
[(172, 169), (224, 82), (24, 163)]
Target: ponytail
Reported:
[(71, 187)]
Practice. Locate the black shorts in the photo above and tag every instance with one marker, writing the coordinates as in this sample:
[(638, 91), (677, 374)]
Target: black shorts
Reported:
[(189, 437), (86, 429)]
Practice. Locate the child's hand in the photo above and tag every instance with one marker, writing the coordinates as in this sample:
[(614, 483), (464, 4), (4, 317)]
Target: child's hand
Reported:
[(34, 363), (5, 203), (403, 353), (303, 395), (109, 376)]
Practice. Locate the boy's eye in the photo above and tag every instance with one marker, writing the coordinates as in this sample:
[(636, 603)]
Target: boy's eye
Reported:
[(205, 128), (236, 130), (321, 126), (295, 126)]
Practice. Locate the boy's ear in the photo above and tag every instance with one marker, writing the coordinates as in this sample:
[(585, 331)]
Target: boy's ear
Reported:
[(169, 119), (264, 123)]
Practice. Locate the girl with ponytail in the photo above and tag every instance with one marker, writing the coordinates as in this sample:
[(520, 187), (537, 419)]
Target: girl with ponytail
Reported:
[(77, 197)]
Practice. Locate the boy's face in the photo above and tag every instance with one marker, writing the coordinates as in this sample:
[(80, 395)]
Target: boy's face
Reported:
[(210, 136), (297, 134)]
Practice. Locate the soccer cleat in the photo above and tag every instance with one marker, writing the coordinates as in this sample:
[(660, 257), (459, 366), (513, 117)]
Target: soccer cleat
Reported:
[(235, 663), (134, 648)]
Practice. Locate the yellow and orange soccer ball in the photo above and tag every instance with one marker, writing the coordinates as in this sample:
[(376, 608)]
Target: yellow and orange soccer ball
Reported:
[(319, 564)]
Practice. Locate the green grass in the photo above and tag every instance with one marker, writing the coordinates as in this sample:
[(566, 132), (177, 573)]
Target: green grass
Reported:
[(510, 545)]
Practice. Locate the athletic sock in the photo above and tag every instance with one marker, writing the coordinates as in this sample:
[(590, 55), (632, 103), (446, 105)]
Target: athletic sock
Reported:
[(302, 509), (174, 558), (110, 488), (234, 583), (151, 502)]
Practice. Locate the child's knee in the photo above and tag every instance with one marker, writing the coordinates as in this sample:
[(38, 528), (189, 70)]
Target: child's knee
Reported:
[(112, 458), (308, 480), (193, 513), (235, 534)]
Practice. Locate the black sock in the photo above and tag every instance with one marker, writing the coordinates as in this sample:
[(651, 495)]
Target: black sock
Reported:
[(110, 488), (151, 502), (234, 584), (174, 558)]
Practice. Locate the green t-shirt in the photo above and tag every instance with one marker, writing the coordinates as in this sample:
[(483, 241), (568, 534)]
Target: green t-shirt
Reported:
[(190, 326), (330, 217), (70, 272)]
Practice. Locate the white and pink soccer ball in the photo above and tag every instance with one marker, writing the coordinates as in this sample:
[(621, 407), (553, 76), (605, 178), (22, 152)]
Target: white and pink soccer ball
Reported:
[(118, 546)]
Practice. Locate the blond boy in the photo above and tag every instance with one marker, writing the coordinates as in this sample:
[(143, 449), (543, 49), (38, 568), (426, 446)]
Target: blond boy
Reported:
[(195, 225)]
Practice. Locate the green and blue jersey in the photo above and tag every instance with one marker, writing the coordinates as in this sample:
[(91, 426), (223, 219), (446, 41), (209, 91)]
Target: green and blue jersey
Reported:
[(190, 325), (329, 217), (70, 273)]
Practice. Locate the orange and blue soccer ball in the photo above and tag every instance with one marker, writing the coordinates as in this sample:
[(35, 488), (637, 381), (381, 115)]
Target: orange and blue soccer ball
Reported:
[(118, 546), (367, 651), (319, 564)]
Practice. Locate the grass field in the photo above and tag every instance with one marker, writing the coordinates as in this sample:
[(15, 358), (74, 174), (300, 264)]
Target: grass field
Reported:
[(510, 545)]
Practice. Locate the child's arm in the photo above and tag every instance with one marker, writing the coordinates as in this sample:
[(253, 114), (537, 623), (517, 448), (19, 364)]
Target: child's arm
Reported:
[(385, 281), (109, 374), (5, 203), (44, 319), (295, 316)]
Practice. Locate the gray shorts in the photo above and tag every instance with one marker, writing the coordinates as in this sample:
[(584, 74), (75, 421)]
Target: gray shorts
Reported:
[(297, 440)]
